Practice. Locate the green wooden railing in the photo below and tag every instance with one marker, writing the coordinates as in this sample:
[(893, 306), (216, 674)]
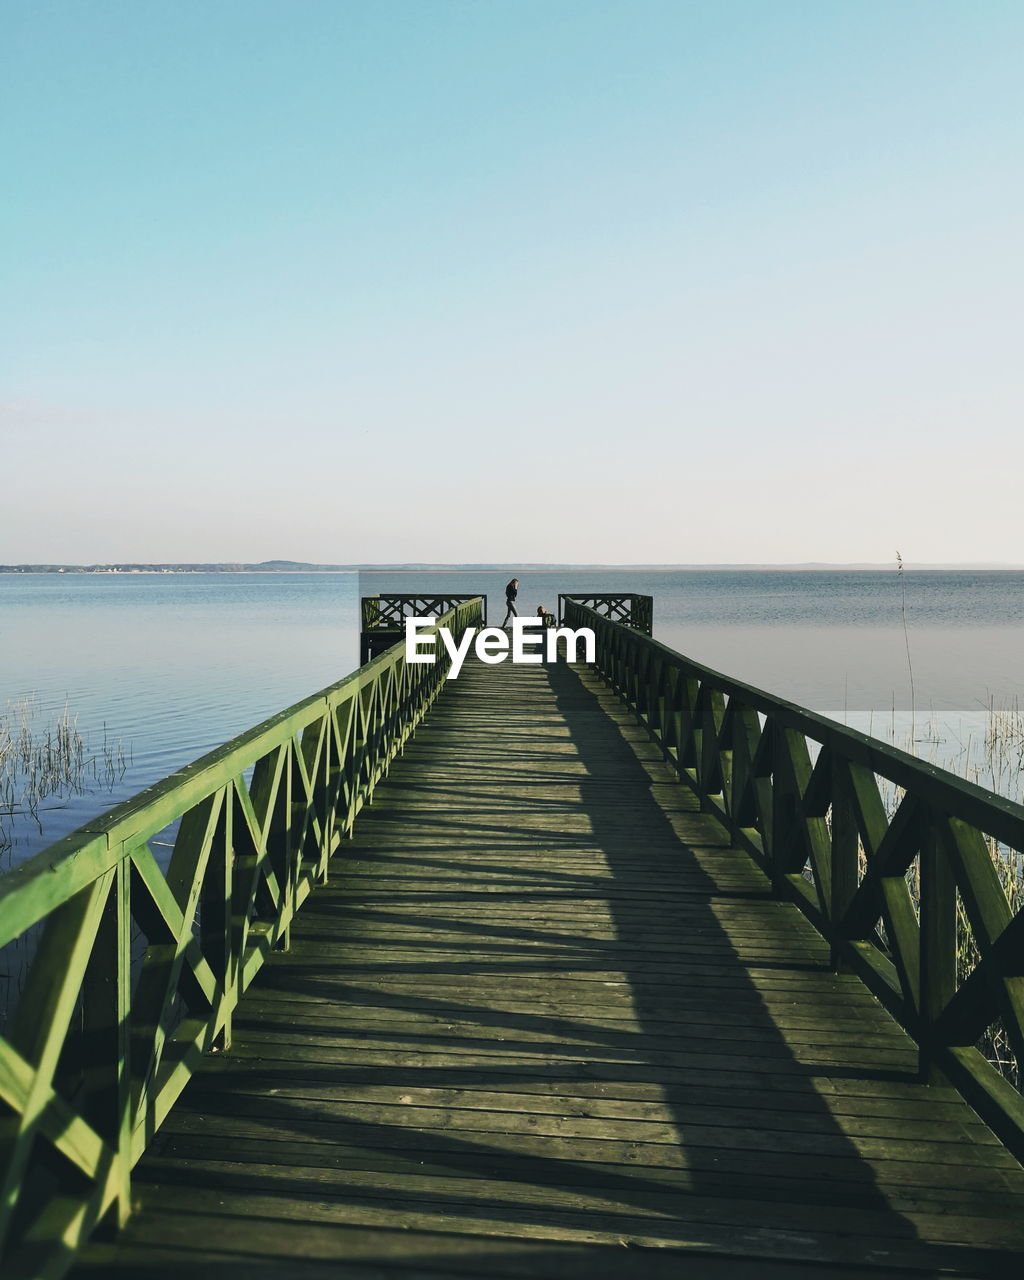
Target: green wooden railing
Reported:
[(391, 611), (900, 893), (631, 609), (383, 617), (135, 971)]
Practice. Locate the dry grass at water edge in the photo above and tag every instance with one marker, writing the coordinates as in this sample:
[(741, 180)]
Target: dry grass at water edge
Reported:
[(995, 762), (48, 759)]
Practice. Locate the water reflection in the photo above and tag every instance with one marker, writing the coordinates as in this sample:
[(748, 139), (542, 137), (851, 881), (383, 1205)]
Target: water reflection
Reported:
[(171, 665), (863, 668)]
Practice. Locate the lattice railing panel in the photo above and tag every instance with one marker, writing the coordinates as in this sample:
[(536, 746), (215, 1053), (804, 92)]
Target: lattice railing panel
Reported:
[(390, 611), (629, 608), (895, 861), (133, 958)]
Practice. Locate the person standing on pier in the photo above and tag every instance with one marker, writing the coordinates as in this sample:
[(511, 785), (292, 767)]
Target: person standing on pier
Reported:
[(511, 592)]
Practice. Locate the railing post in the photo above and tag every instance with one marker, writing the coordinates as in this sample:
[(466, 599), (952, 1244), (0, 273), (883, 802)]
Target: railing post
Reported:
[(280, 835), (106, 996), (711, 711), (324, 791), (938, 946), (781, 808), (219, 931), (845, 852)]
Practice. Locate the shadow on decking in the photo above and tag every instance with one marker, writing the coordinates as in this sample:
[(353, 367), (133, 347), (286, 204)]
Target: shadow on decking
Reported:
[(742, 1153)]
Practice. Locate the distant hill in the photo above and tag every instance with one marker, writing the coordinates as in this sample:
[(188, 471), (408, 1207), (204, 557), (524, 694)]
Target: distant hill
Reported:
[(265, 566)]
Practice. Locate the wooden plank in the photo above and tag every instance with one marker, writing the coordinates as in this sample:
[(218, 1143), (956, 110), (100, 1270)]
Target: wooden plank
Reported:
[(296, 1250), (652, 1208), (423, 1106), (713, 1230), (480, 1153), (900, 1184)]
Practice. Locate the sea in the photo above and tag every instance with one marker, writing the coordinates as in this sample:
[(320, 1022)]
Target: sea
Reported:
[(151, 670)]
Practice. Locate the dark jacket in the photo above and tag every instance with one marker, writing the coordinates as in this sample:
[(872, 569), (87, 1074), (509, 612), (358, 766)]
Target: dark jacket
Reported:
[(511, 591)]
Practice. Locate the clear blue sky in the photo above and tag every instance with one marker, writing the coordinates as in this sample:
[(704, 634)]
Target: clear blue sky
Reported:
[(528, 280)]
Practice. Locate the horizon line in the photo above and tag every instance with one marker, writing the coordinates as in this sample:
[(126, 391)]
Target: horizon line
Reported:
[(298, 566)]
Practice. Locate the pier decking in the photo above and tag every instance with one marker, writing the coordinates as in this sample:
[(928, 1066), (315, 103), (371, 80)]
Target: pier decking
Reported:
[(543, 1021)]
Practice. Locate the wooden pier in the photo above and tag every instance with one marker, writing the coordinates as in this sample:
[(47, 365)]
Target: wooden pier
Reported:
[(543, 1021), (553, 971)]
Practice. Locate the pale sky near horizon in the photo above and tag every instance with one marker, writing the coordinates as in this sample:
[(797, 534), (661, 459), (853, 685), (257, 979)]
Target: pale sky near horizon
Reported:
[(512, 280)]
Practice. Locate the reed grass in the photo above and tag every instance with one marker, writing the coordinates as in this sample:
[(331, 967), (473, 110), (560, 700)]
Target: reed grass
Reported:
[(45, 759), (995, 761)]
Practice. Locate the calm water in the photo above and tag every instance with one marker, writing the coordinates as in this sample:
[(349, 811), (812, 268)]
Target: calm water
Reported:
[(830, 641), (172, 665)]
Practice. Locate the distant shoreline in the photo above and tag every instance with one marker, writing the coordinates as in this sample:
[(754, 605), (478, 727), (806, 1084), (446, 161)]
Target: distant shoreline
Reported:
[(285, 567)]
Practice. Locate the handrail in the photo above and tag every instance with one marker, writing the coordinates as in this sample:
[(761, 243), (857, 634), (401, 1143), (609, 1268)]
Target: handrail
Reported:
[(390, 610), (136, 971), (800, 793), (629, 608)]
